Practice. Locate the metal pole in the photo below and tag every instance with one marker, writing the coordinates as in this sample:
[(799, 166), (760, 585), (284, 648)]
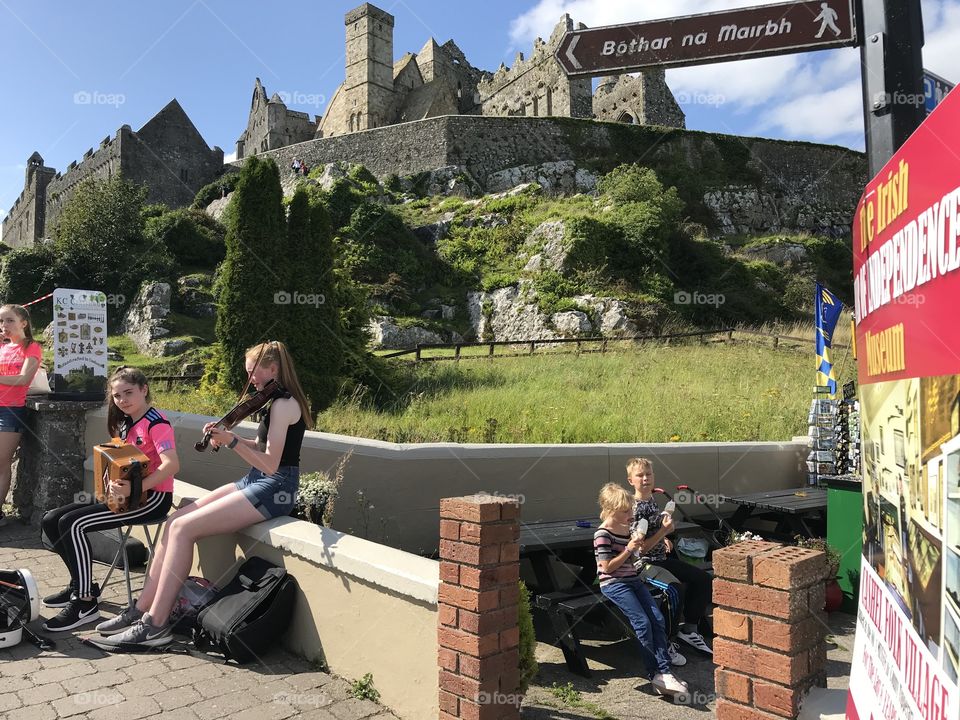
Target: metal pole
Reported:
[(891, 66)]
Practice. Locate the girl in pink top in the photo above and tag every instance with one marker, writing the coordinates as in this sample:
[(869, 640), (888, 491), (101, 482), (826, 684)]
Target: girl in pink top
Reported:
[(131, 418), (19, 359)]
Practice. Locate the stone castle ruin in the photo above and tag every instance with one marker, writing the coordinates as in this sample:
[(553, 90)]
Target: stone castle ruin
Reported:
[(167, 154), (433, 113), (439, 80)]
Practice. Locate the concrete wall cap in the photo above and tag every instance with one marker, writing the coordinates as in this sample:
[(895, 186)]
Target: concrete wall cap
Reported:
[(402, 572)]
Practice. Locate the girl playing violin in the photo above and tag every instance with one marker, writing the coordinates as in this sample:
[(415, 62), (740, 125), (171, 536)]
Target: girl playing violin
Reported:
[(267, 491)]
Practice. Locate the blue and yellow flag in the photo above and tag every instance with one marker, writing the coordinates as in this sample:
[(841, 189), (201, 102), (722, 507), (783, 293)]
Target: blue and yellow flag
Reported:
[(828, 308)]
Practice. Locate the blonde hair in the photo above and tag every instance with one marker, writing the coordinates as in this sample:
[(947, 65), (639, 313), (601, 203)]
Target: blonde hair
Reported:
[(276, 353), (640, 462), (613, 498)]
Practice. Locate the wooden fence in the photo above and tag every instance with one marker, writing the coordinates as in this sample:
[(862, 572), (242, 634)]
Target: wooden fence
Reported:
[(580, 345)]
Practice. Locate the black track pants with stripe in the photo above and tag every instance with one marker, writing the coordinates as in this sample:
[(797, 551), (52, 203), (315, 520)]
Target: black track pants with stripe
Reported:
[(67, 528)]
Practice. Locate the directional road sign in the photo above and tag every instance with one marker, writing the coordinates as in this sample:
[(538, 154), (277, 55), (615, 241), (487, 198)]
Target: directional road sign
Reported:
[(711, 37)]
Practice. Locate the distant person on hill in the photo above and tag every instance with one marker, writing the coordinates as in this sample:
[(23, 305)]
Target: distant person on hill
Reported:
[(295, 165), (619, 581), (697, 584), (19, 359)]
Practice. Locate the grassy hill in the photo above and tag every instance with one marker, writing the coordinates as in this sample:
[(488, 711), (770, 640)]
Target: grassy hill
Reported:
[(653, 393)]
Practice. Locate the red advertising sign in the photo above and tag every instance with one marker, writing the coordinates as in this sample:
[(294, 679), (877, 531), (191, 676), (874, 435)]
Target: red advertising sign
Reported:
[(907, 285), (709, 37), (906, 257)]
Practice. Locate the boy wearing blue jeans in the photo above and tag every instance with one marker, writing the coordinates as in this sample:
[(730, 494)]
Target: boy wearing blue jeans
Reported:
[(697, 585)]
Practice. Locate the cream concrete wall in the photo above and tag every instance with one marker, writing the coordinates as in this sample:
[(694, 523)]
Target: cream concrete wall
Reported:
[(405, 483), (361, 607)]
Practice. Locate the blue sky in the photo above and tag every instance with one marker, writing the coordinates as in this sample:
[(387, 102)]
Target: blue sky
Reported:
[(75, 72)]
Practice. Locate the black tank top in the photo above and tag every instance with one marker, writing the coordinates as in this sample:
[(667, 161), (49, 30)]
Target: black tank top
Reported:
[(291, 446)]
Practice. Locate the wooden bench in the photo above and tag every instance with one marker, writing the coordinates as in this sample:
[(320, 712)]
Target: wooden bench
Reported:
[(568, 608)]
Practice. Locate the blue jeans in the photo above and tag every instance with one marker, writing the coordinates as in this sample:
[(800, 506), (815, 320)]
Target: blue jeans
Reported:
[(633, 598), (273, 495)]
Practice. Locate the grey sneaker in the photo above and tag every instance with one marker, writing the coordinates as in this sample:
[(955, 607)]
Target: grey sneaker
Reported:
[(142, 633), (121, 622)]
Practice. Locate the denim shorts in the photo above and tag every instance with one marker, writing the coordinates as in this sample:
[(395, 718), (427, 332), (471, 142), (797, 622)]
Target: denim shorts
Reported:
[(13, 419), (273, 495)]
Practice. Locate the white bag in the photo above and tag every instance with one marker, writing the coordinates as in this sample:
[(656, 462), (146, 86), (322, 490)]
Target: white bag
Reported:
[(40, 385)]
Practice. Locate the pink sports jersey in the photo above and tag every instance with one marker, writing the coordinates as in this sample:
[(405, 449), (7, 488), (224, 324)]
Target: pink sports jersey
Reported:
[(12, 358), (152, 434)]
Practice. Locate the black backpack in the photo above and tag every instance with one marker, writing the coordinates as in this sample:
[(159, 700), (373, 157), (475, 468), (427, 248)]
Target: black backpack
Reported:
[(249, 614)]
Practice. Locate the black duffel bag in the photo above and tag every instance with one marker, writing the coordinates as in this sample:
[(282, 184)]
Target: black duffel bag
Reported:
[(249, 614)]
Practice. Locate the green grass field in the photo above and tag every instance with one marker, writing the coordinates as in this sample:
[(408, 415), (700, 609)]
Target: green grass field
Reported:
[(648, 393), (653, 394)]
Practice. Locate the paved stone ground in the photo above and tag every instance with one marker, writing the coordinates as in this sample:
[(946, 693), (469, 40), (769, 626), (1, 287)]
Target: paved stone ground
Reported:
[(80, 682), (619, 688)]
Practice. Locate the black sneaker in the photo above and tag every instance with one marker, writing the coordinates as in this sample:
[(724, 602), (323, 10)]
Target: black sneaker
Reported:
[(76, 613), (63, 597), (59, 599)]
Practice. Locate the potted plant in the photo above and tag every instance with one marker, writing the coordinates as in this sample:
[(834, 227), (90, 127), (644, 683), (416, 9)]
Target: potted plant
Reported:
[(834, 593), (318, 493)]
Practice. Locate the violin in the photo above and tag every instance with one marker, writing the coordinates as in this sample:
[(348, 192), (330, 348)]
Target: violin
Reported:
[(271, 391)]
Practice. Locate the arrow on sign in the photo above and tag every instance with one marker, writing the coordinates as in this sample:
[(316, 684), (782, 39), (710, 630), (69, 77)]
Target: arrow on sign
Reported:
[(574, 63)]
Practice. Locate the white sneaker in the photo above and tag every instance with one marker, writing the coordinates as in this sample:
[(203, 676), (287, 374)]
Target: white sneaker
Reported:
[(669, 684), (676, 659), (695, 640)]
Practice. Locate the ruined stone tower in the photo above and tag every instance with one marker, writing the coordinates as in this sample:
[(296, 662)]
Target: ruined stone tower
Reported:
[(27, 217), (369, 82)]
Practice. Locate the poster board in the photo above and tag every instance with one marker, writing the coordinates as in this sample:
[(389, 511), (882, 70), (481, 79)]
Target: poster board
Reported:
[(906, 245), (79, 344)]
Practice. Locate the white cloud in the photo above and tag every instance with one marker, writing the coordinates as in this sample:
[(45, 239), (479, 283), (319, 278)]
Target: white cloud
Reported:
[(941, 18), (815, 96), (230, 157)]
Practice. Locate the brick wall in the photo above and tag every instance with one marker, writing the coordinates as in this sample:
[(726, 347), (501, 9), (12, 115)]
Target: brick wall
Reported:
[(770, 628), (478, 633)]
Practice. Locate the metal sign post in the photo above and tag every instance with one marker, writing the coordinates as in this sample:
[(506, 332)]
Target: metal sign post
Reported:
[(891, 59)]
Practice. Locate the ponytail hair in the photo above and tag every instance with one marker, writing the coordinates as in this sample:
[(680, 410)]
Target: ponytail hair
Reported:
[(115, 415), (21, 312), (276, 353)]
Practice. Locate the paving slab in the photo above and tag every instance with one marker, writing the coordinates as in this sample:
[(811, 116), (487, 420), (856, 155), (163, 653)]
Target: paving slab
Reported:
[(79, 682)]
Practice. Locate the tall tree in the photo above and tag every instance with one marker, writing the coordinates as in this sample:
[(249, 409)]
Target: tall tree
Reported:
[(100, 244), (253, 275), (311, 321)]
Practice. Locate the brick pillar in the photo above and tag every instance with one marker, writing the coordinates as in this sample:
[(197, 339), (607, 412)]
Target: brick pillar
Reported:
[(770, 627), (477, 626)]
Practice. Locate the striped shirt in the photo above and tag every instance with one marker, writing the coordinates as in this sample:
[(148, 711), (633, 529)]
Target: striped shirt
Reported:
[(606, 546)]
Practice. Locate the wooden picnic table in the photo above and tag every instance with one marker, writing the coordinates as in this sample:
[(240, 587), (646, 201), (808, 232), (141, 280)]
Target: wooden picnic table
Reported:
[(793, 510)]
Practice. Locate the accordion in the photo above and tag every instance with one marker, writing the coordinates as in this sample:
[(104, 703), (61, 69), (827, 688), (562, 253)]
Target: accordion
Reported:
[(117, 460)]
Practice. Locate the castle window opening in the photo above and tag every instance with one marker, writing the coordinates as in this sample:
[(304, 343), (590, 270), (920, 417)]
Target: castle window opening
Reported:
[(536, 106), (549, 101), (627, 118)]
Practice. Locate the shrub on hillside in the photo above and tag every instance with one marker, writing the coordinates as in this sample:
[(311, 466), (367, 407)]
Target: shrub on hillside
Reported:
[(192, 237), (376, 243), (27, 273), (222, 186)]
